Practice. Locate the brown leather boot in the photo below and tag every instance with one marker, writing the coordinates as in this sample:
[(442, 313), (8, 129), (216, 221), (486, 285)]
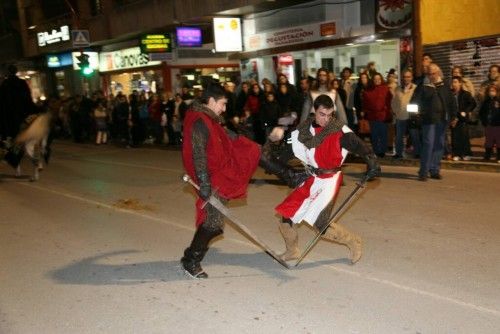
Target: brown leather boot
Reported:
[(289, 233), (341, 235)]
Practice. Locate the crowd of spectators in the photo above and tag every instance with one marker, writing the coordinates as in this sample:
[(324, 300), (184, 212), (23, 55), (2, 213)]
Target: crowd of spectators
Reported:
[(370, 103)]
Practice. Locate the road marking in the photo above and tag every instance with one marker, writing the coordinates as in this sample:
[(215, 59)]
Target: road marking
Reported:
[(338, 269), (170, 170), (111, 207), (416, 291)]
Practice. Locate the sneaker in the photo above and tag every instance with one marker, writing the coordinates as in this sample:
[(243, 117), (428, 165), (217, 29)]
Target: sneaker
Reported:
[(456, 158), (467, 158), (193, 269)]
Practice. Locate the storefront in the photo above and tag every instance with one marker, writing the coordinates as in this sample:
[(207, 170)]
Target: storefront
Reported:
[(297, 64), (129, 69), (350, 35)]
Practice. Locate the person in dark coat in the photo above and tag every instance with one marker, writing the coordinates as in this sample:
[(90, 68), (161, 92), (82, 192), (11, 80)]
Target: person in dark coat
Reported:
[(460, 142), (489, 114), (15, 104), (437, 109)]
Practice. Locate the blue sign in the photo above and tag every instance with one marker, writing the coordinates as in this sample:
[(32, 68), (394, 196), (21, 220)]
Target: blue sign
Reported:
[(59, 60)]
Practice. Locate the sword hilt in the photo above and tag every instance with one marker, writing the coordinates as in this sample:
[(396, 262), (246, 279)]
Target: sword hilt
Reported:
[(189, 180)]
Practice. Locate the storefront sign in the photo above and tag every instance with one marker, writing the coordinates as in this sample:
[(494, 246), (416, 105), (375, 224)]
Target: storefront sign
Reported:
[(156, 43), (123, 59), (93, 59), (296, 35), (328, 29), (59, 60), (227, 33), (55, 36), (189, 37)]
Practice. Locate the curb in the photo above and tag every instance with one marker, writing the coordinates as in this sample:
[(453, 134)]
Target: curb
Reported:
[(489, 167)]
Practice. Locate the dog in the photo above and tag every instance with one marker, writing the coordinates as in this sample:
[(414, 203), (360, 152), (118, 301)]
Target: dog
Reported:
[(32, 140)]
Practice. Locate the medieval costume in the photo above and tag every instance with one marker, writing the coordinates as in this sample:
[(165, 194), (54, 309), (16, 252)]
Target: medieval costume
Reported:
[(220, 160), (322, 150)]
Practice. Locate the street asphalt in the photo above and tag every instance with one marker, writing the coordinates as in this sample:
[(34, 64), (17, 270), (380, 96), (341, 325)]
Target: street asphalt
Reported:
[(94, 247)]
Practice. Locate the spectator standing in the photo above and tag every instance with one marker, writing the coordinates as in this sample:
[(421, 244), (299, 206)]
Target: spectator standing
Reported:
[(493, 79), (101, 122), (230, 112), (402, 97), (155, 112), (321, 86), (426, 62), (269, 113), (168, 107), (361, 86), (460, 142), (489, 114), (303, 93), (241, 99), (349, 86), (437, 108), (121, 116), (467, 85), (180, 108), (287, 100), (252, 108), (377, 110)]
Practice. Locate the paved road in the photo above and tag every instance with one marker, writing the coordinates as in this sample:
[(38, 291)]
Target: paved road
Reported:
[(73, 260)]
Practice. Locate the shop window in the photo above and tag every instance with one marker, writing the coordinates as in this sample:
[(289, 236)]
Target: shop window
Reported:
[(327, 63)]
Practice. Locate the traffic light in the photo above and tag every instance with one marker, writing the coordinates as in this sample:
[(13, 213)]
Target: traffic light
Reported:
[(84, 64)]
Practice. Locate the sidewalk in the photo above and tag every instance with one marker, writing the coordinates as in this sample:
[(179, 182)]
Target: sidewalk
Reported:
[(476, 164)]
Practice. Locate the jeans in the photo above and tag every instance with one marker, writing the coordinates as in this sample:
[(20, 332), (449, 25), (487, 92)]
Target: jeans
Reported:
[(401, 127), (379, 137), (415, 134), (432, 148)]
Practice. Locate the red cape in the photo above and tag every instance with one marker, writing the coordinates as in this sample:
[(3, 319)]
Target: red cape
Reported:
[(230, 162)]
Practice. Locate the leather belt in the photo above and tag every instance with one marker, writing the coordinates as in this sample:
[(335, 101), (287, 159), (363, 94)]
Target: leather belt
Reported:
[(321, 171)]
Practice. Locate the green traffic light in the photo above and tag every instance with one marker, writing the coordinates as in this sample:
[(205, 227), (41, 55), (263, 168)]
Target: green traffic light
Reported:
[(87, 70)]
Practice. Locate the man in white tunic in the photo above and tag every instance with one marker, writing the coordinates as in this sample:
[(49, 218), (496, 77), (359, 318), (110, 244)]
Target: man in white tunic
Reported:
[(321, 143)]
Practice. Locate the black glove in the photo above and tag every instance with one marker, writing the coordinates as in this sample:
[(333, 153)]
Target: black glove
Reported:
[(205, 187), (373, 167)]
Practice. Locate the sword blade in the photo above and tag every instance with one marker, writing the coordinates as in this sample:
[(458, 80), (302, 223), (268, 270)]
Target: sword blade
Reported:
[(216, 203), (340, 210)]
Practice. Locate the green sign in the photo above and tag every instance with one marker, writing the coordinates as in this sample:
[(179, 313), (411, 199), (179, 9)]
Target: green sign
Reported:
[(153, 43)]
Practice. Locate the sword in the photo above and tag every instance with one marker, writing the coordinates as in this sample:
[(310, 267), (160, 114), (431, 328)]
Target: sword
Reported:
[(216, 203), (340, 210)]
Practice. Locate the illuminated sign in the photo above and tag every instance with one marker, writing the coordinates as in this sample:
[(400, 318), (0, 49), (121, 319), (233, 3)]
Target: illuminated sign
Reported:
[(123, 59), (189, 37), (227, 33), (59, 60), (156, 43), (55, 36)]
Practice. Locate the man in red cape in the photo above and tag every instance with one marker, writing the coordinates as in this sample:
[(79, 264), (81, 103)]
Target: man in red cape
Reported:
[(222, 163)]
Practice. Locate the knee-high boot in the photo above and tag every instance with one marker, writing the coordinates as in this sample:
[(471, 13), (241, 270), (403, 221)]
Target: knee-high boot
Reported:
[(289, 233), (341, 235), (194, 254)]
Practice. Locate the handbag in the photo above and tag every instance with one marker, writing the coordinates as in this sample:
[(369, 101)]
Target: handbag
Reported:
[(364, 126)]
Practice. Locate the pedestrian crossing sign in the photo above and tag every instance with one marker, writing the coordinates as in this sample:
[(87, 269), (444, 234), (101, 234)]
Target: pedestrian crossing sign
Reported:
[(80, 38)]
